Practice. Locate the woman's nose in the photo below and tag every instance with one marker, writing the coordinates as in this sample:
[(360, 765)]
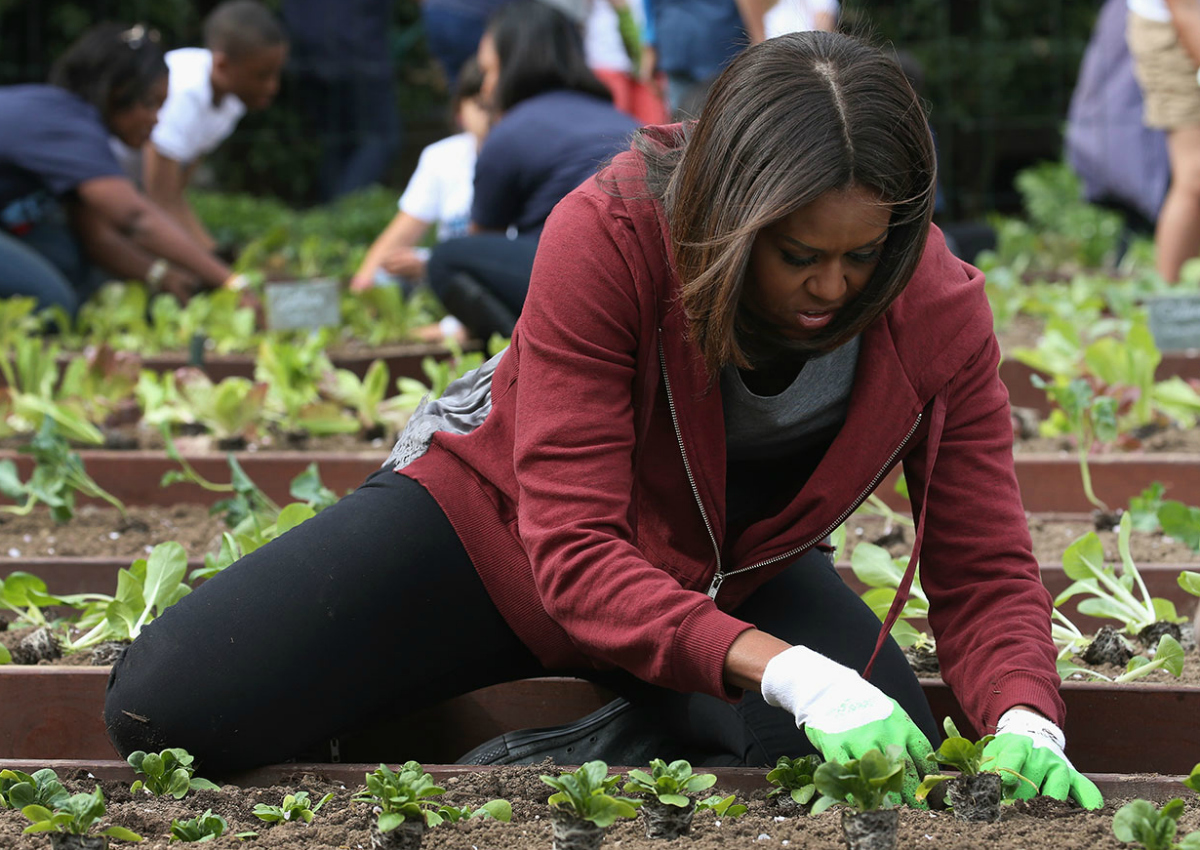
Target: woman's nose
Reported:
[(827, 283)]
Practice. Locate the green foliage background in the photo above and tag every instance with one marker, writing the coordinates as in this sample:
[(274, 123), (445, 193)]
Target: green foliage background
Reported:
[(998, 76)]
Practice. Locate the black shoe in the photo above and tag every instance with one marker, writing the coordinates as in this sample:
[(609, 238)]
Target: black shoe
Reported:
[(616, 733)]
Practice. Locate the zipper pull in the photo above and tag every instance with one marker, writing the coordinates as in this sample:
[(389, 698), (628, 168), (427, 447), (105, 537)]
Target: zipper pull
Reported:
[(715, 587)]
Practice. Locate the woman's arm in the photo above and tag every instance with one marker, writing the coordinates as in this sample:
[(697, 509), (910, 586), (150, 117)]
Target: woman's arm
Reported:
[(166, 182), (117, 202), (404, 231), (748, 656), (1185, 17), (112, 251)]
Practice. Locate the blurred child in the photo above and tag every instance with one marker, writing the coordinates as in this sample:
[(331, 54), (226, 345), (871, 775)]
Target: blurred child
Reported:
[(211, 87), (439, 193)]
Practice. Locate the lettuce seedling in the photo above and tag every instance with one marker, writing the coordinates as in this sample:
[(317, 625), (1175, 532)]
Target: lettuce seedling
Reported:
[(586, 793), (1144, 823), (31, 381), (231, 410), (25, 595), (101, 380), (144, 591), (500, 810), (1144, 507), (167, 773), (362, 395), (670, 783), (1112, 595), (407, 795), (965, 755), (881, 573), (295, 807), (205, 827), (57, 476), (723, 807), (1089, 418), (1181, 522), (76, 815), (794, 776), (1189, 580), (1193, 779), (41, 788), (864, 783)]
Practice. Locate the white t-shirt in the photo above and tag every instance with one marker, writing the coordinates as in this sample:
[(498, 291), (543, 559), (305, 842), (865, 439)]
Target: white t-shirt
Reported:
[(602, 45), (189, 126), (443, 186), (1155, 10), (796, 16)]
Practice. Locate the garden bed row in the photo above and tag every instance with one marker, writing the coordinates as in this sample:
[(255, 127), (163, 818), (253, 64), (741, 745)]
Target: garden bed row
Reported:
[(1022, 393), (1049, 483), (56, 712), (64, 576)]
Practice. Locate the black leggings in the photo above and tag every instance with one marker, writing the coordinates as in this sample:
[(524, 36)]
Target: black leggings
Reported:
[(374, 604)]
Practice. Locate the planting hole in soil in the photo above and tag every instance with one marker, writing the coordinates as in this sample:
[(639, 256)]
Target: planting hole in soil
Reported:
[(878, 830), (976, 799)]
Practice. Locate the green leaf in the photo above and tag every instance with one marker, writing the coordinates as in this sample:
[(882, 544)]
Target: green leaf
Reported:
[(874, 566), (1181, 522), (389, 821), (1190, 581), (121, 833), (165, 569), (293, 515), (1084, 558), (1170, 655), (10, 482)]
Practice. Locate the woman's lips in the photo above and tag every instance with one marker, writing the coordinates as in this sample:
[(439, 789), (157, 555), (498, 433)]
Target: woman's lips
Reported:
[(814, 320)]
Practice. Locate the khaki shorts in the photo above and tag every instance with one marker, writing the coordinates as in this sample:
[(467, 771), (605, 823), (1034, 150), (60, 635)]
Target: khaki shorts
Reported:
[(1166, 74)]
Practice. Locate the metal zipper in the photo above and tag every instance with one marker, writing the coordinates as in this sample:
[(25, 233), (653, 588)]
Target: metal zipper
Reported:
[(687, 466), (720, 577)]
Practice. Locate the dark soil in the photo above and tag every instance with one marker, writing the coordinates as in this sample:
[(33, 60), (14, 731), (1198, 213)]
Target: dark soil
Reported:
[(1051, 536), (101, 532), (341, 824)]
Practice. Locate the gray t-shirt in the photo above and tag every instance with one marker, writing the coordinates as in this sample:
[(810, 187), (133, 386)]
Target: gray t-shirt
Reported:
[(759, 426)]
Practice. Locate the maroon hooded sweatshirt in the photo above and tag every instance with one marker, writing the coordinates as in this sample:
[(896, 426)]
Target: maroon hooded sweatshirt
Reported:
[(592, 497)]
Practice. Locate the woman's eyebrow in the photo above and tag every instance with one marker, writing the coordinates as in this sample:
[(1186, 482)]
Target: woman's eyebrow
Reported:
[(874, 242)]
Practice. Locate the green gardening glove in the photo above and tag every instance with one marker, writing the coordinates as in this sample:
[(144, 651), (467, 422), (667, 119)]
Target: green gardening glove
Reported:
[(1032, 746), (843, 714)]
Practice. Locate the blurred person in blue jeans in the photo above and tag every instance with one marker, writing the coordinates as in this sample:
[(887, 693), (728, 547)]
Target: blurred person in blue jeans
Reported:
[(554, 124), (65, 202), (343, 68), (690, 41)]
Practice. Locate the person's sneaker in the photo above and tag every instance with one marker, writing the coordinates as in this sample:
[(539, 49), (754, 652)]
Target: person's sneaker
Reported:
[(615, 733)]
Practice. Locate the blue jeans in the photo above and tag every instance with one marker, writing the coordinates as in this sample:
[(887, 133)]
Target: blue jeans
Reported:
[(49, 264), (483, 279)]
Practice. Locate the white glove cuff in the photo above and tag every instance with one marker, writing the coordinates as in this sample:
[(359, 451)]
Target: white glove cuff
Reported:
[(1041, 731), (809, 685)]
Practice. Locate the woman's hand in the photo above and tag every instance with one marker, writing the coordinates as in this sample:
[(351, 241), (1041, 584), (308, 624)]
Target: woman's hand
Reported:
[(843, 715), (1029, 744), (361, 282), (180, 284)]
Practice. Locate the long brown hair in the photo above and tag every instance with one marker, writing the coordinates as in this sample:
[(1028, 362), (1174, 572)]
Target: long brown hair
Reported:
[(789, 120)]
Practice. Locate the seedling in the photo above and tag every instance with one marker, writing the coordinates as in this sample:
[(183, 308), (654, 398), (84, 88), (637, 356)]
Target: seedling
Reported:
[(586, 794), (723, 807), (41, 788), (230, 410), (669, 808), (1112, 595), (363, 395), (1089, 417), (1144, 823), (407, 795), (881, 573), (976, 793), (57, 476), (76, 815), (144, 591), (31, 379), (167, 773), (795, 777), (1181, 522), (864, 784), (295, 807), (205, 827)]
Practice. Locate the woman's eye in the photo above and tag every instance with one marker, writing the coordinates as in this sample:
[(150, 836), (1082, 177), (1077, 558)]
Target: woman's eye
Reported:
[(793, 260), (864, 256)]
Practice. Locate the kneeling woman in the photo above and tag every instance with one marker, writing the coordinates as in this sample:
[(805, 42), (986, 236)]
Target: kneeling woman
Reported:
[(65, 202), (731, 335)]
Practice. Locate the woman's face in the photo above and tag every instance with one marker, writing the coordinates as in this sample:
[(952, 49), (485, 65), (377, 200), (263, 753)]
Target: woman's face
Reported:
[(811, 264), (489, 64), (132, 125), (473, 118)]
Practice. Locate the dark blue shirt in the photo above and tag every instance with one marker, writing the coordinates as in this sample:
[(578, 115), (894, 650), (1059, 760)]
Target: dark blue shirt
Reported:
[(343, 39), (540, 150), (52, 141)]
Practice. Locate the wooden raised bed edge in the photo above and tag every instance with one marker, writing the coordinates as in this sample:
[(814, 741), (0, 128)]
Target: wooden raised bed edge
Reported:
[(1049, 483), (56, 712), (743, 780)]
